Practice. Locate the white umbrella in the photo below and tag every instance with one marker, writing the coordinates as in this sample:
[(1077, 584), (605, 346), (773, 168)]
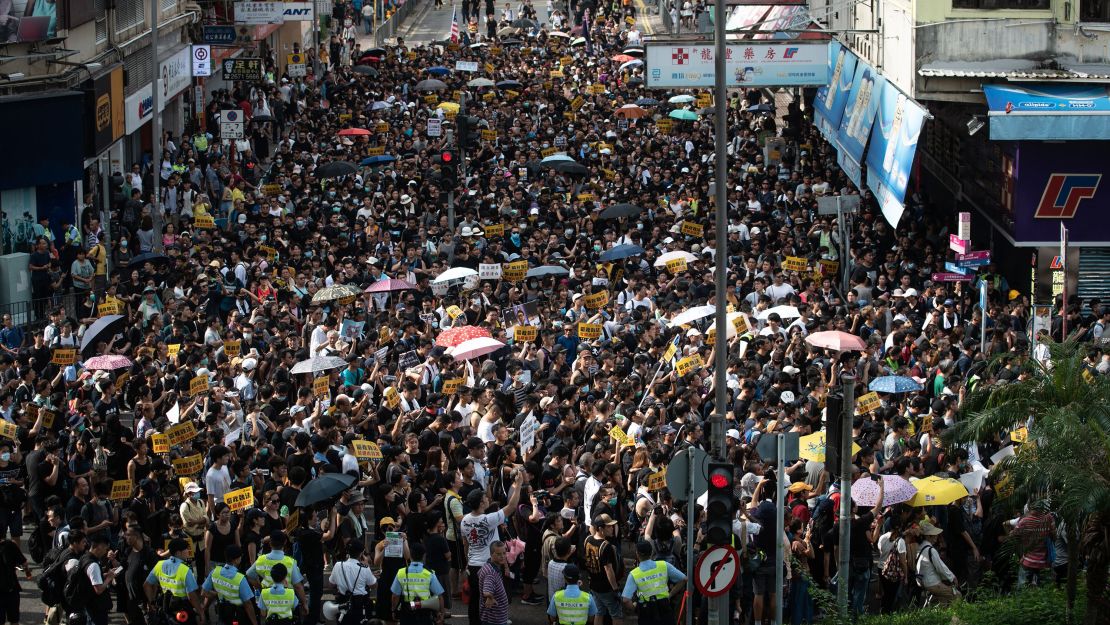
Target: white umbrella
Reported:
[(475, 348), (784, 312), (454, 273), (675, 255), (481, 82), (318, 364), (630, 64), (555, 158), (558, 33), (691, 315), (682, 99)]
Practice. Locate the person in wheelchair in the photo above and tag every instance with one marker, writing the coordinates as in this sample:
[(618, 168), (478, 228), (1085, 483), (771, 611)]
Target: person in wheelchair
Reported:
[(231, 592), (278, 602)]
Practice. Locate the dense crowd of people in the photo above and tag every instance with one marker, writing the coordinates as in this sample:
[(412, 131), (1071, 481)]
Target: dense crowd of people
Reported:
[(279, 398)]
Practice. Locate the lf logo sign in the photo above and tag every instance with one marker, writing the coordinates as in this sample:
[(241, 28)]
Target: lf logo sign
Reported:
[(1064, 192)]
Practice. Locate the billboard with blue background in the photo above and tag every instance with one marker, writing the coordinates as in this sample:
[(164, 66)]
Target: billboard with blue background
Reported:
[(831, 98), (890, 155), (859, 114)]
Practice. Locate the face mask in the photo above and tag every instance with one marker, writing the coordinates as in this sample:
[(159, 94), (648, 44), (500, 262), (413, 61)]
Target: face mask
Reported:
[(612, 501), (123, 243), (331, 193), (196, 496), (247, 336), (5, 456), (262, 238), (597, 248), (300, 223)]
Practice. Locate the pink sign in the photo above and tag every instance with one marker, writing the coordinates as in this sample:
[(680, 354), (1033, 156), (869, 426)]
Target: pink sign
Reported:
[(956, 244)]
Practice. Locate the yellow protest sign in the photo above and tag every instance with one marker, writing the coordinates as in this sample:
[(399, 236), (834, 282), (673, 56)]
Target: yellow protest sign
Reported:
[(160, 443), (411, 56), (688, 364), (568, 115), (828, 267), (609, 174), (366, 450), (514, 271), (586, 197), (489, 135), (381, 127), (704, 100), (271, 190), (239, 499), (596, 89), (794, 263), (868, 402), (204, 221), (665, 124), (566, 60), (320, 386), (740, 323), (692, 229), (8, 429), (64, 357), (589, 331), (231, 348), (657, 481), (577, 103), (180, 433), (453, 311), (1020, 435), (270, 252), (555, 73), (522, 334), (173, 349), (392, 398), (677, 265), (596, 300), (672, 349), (489, 66), (549, 152), (452, 386), (198, 385), (109, 308), (453, 47), (494, 230), (379, 151), (511, 95), (431, 99), (617, 434), (628, 19), (190, 465), (121, 490), (48, 417)]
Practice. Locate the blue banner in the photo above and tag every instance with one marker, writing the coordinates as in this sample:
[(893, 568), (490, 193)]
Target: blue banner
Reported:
[(1048, 112), (893, 145), (859, 113), (831, 98)]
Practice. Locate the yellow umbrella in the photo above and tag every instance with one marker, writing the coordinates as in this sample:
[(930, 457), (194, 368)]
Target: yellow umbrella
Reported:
[(449, 106), (812, 447), (936, 491)]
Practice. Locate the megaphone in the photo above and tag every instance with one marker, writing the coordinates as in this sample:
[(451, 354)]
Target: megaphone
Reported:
[(426, 604), (330, 610)]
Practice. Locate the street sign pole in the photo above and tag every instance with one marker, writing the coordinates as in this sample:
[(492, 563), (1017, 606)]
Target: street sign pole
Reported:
[(848, 383), (846, 249), (690, 521), (780, 512), (720, 173), (1064, 294), (983, 314)]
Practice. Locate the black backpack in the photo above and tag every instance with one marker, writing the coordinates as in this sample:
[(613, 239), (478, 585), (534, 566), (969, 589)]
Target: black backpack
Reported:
[(38, 543), (78, 589), (53, 579)]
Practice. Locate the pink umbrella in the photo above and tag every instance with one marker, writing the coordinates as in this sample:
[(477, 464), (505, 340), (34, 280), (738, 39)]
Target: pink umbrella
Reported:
[(453, 336), (387, 285), (837, 341), (475, 348), (109, 362), (865, 492)]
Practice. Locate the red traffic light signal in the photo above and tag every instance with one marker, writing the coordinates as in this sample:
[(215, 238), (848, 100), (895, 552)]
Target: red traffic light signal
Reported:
[(446, 156), (719, 481)]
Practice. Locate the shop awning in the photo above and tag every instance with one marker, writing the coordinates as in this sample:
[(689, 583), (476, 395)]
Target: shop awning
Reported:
[(1048, 112)]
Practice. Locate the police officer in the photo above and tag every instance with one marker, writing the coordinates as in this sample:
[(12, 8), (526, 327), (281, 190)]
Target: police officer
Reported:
[(650, 583), (175, 579), (413, 585), (353, 581), (231, 591), (572, 605), (278, 602), (261, 572)]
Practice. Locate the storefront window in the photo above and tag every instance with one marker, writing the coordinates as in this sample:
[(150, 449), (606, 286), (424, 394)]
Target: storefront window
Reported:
[(1033, 5), (1094, 11)]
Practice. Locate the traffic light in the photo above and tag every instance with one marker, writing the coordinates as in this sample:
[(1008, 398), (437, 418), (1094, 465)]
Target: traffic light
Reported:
[(720, 504), (448, 168), (834, 415), (469, 134)]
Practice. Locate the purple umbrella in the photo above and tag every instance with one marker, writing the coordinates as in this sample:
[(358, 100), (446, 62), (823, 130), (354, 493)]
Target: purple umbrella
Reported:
[(895, 490)]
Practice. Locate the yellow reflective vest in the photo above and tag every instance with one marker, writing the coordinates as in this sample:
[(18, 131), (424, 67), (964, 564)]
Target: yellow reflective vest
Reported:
[(572, 610), (652, 583), (172, 583)]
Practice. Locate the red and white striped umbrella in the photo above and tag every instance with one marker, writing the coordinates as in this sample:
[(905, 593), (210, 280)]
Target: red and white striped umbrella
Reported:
[(453, 336)]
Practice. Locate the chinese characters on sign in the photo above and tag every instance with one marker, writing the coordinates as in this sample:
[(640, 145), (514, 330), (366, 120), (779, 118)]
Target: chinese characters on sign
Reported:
[(672, 65)]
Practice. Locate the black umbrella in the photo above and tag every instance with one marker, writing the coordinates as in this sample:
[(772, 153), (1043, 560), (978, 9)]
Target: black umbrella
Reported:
[(647, 102), (617, 211), (261, 119), (511, 42), (103, 329), (149, 257), (365, 70), (431, 84), (570, 167), (335, 169), (636, 80), (374, 52), (509, 84), (523, 23), (633, 51), (323, 488)]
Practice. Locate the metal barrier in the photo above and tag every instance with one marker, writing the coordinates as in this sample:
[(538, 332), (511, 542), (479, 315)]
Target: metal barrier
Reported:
[(33, 315), (662, 7), (392, 26)]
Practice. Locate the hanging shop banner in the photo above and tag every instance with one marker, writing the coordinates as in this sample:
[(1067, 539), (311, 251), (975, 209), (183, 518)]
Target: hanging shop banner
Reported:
[(688, 65), (829, 104), (859, 114), (174, 76), (893, 145)]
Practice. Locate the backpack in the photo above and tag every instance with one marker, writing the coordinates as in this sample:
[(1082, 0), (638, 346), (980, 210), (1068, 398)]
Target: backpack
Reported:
[(78, 589), (53, 578), (891, 569), (37, 542)]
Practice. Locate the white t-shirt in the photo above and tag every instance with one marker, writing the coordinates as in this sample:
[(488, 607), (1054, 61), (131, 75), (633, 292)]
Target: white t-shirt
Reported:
[(886, 545), (480, 532), (349, 576), (218, 482)]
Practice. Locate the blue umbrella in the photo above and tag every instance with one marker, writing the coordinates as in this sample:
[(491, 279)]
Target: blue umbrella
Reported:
[(378, 160), (438, 70), (894, 384), (621, 251)]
